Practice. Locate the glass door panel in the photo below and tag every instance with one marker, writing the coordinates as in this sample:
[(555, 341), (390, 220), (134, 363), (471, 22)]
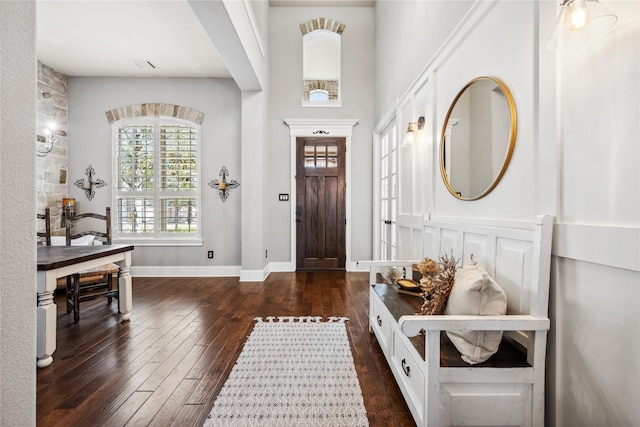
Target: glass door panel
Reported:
[(388, 193)]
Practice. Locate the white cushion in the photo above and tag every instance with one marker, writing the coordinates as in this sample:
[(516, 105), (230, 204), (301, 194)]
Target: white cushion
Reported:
[(80, 241), (476, 293)]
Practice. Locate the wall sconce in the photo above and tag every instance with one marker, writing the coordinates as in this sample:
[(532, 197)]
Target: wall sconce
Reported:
[(88, 185), (223, 186), (577, 15), (411, 136), (48, 139)]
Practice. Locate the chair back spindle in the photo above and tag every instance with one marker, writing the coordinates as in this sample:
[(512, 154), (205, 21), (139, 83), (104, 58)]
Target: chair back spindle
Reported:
[(96, 282), (72, 219), (46, 235)]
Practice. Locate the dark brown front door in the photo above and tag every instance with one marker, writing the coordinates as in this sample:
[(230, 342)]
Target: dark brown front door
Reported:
[(320, 198)]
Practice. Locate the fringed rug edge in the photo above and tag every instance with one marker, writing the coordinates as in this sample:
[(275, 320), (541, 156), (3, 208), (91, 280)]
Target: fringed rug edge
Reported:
[(300, 319)]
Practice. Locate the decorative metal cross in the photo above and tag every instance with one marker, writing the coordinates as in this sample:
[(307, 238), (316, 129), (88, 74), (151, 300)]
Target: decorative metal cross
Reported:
[(88, 185), (223, 186)]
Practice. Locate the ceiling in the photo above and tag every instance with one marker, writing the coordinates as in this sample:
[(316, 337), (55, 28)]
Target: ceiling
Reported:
[(136, 38)]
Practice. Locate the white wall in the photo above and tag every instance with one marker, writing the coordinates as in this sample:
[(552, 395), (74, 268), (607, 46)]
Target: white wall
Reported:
[(18, 205), (240, 29), (596, 346), (90, 143), (576, 157), (284, 102), (480, 54), (407, 34)]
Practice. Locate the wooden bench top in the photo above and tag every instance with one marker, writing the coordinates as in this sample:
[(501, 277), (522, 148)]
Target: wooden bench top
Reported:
[(398, 304)]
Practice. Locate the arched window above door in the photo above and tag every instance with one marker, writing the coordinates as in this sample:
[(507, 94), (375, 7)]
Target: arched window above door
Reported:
[(321, 45)]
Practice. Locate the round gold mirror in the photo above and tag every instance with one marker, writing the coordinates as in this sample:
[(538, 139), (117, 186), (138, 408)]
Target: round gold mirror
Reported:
[(478, 137)]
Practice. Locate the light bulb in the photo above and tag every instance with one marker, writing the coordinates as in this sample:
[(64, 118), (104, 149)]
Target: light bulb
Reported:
[(579, 15), (409, 137)]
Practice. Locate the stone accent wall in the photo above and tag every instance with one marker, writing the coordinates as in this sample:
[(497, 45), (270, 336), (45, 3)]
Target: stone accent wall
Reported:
[(330, 86), (155, 110), (322, 24), (51, 170)]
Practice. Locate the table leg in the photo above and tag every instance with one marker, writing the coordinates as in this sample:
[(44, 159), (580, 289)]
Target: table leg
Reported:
[(46, 315), (124, 287)]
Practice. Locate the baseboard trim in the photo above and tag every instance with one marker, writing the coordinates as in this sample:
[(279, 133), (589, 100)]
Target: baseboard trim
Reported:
[(220, 271), (185, 271), (255, 275), (353, 266), (282, 267)]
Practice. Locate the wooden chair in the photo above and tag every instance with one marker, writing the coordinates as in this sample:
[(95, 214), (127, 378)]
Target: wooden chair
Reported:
[(96, 282), (46, 235)]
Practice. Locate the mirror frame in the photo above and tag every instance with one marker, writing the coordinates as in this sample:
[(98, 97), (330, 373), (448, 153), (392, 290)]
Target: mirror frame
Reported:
[(512, 137)]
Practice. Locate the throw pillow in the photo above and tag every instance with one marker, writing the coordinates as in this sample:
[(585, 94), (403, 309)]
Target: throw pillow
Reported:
[(476, 293)]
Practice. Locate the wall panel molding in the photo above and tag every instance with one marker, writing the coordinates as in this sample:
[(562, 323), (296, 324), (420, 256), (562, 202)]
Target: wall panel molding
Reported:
[(607, 245)]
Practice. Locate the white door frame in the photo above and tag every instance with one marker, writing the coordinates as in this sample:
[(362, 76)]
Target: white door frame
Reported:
[(340, 128)]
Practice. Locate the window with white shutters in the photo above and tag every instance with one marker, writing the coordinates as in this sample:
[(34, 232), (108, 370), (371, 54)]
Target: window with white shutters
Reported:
[(156, 164)]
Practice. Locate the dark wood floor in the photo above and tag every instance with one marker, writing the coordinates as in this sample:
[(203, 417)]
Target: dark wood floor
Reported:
[(168, 363)]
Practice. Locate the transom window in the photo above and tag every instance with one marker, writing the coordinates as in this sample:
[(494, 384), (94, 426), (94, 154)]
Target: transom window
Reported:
[(156, 163), (318, 95)]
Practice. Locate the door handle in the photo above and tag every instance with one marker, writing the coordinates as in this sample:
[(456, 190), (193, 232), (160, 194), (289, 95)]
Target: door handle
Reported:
[(406, 368), (298, 214)]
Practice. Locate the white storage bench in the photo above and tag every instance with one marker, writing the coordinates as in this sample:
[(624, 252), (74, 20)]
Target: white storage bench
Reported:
[(439, 387)]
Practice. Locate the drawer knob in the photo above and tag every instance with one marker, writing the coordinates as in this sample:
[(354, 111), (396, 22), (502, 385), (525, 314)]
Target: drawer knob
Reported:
[(379, 320), (406, 368)]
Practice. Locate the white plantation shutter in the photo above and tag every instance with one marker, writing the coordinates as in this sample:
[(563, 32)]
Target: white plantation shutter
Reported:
[(178, 158), (157, 171), (178, 178), (135, 146)]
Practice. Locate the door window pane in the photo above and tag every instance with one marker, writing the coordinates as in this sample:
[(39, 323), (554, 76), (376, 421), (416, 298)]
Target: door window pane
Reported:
[(321, 156)]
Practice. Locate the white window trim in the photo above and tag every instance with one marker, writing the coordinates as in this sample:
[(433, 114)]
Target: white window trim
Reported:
[(332, 103), (146, 241), (158, 239)]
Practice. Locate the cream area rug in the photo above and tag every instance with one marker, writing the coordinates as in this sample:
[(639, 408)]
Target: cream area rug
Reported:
[(292, 371)]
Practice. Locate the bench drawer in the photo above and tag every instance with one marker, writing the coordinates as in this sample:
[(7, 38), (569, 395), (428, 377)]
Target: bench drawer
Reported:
[(408, 369), (380, 323)]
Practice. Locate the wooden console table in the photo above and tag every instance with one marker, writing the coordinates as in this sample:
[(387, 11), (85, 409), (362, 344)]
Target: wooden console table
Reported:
[(61, 261)]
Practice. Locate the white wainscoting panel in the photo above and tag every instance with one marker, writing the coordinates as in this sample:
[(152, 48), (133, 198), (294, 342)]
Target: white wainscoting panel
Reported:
[(479, 247), (514, 273), (464, 407)]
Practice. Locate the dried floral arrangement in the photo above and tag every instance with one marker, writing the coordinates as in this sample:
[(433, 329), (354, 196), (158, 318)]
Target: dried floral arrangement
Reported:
[(436, 283), (392, 275)]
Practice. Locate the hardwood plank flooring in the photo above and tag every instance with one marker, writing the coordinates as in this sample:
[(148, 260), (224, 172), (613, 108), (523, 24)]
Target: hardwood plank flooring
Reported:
[(167, 364)]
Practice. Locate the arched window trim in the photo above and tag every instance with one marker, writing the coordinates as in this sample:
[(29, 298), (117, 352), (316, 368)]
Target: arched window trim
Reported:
[(155, 110)]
